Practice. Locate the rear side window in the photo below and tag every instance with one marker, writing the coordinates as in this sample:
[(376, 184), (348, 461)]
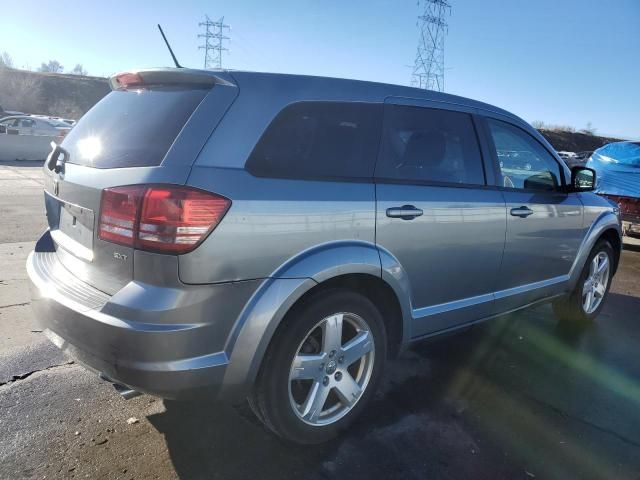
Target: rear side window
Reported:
[(429, 145), (319, 140), (131, 128)]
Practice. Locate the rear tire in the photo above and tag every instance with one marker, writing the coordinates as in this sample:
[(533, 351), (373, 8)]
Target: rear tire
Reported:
[(584, 304), (322, 367)]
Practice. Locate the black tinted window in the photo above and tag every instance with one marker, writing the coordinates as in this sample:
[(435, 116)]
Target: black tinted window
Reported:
[(426, 144), (132, 128), (319, 140), (524, 163)]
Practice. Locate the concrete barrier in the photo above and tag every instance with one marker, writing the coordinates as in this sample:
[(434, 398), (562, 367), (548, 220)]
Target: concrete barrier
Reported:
[(24, 147)]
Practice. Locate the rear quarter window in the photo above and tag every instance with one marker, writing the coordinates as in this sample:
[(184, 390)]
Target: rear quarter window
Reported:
[(131, 128), (319, 140)]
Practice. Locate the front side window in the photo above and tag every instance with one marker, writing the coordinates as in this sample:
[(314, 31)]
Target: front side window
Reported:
[(524, 163), (319, 140), (429, 145)]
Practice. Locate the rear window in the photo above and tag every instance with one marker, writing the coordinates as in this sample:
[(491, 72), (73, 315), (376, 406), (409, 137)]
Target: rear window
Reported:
[(319, 140), (132, 128)]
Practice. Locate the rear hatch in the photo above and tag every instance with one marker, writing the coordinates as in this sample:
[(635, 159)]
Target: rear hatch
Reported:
[(148, 130)]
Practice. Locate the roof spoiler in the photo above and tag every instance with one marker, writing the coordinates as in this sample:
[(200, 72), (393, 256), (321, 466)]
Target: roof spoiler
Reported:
[(167, 76)]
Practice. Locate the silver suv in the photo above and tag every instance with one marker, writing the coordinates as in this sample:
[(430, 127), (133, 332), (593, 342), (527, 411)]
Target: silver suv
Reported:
[(276, 238)]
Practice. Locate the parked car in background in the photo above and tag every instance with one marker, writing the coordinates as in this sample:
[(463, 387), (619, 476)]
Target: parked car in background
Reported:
[(24, 137), (618, 171), (7, 113), (583, 157), (239, 235), (566, 155), (67, 121), (574, 159), (30, 125)]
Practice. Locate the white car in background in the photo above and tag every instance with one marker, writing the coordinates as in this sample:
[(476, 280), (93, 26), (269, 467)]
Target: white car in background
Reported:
[(28, 125), (25, 137)]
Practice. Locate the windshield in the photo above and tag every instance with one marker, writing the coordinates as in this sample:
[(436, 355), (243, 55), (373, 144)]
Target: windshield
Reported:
[(132, 128)]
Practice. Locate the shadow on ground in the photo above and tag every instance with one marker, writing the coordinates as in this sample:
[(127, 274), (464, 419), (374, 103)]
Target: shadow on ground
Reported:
[(22, 163), (516, 397)]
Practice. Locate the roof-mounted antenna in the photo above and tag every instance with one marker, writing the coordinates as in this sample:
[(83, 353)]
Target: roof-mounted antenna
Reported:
[(175, 60)]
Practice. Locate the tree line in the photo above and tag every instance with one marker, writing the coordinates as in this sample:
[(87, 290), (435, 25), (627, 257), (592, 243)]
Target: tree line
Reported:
[(52, 66)]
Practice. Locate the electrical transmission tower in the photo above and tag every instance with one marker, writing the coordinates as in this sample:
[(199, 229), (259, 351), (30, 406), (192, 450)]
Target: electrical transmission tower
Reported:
[(428, 68), (214, 37)]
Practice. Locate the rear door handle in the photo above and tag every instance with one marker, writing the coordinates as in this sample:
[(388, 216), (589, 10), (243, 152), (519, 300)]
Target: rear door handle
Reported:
[(521, 212), (405, 212)]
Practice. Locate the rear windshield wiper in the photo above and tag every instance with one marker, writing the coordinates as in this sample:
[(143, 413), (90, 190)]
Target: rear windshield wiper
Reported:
[(57, 158)]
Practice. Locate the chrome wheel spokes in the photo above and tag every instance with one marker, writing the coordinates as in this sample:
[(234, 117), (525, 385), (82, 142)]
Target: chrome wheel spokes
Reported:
[(595, 285), (331, 369)]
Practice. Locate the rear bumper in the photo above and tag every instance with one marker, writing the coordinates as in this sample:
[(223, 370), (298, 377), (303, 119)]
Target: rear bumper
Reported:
[(631, 227), (164, 341)]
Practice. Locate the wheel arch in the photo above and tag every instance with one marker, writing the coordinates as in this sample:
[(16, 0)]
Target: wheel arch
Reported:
[(352, 265), (606, 226), (612, 236), (378, 291)]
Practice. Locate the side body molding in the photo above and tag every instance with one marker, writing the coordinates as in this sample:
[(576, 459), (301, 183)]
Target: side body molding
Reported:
[(256, 325), (607, 220)]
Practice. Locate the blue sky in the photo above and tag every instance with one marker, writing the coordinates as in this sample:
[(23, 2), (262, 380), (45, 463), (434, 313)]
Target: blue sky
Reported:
[(560, 61)]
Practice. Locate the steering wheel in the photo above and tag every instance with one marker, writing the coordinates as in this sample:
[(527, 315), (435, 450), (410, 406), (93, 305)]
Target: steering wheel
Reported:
[(508, 183)]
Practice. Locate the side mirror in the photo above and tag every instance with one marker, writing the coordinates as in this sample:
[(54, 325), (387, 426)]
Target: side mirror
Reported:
[(583, 179)]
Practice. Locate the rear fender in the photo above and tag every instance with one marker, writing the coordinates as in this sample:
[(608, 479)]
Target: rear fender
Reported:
[(258, 322)]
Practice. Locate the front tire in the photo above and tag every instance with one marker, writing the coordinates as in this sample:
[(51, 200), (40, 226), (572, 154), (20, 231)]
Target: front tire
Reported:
[(584, 304), (322, 367)]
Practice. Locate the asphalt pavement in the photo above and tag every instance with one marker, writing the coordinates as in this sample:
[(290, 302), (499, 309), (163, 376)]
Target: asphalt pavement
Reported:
[(515, 398)]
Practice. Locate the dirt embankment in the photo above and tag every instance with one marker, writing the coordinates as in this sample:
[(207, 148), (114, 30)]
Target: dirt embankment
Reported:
[(59, 95), (70, 96), (575, 141)]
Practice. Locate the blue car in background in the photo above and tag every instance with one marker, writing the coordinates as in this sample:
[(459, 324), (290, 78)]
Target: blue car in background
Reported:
[(617, 166)]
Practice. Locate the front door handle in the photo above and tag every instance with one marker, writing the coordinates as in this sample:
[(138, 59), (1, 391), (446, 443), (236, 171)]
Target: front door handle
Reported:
[(521, 212), (405, 212)]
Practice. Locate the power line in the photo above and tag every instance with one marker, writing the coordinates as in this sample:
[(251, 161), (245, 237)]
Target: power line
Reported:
[(214, 38), (428, 68)]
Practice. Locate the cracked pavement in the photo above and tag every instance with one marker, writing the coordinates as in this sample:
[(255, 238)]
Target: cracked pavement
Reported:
[(515, 398)]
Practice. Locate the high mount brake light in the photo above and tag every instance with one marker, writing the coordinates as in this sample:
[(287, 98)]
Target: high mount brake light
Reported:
[(125, 80), (163, 218)]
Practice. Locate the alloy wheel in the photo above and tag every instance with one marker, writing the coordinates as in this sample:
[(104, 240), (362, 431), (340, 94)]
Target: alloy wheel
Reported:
[(331, 369), (595, 285)]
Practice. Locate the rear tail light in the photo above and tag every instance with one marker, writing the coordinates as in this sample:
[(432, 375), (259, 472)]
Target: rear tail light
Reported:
[(166, 219), (627, 205)]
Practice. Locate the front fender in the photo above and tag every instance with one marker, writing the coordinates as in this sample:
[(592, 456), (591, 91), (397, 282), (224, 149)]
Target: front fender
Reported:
[(259, 320), (607, 220)]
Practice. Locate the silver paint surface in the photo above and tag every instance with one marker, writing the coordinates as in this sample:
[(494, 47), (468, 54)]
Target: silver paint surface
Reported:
[(200, 323)]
